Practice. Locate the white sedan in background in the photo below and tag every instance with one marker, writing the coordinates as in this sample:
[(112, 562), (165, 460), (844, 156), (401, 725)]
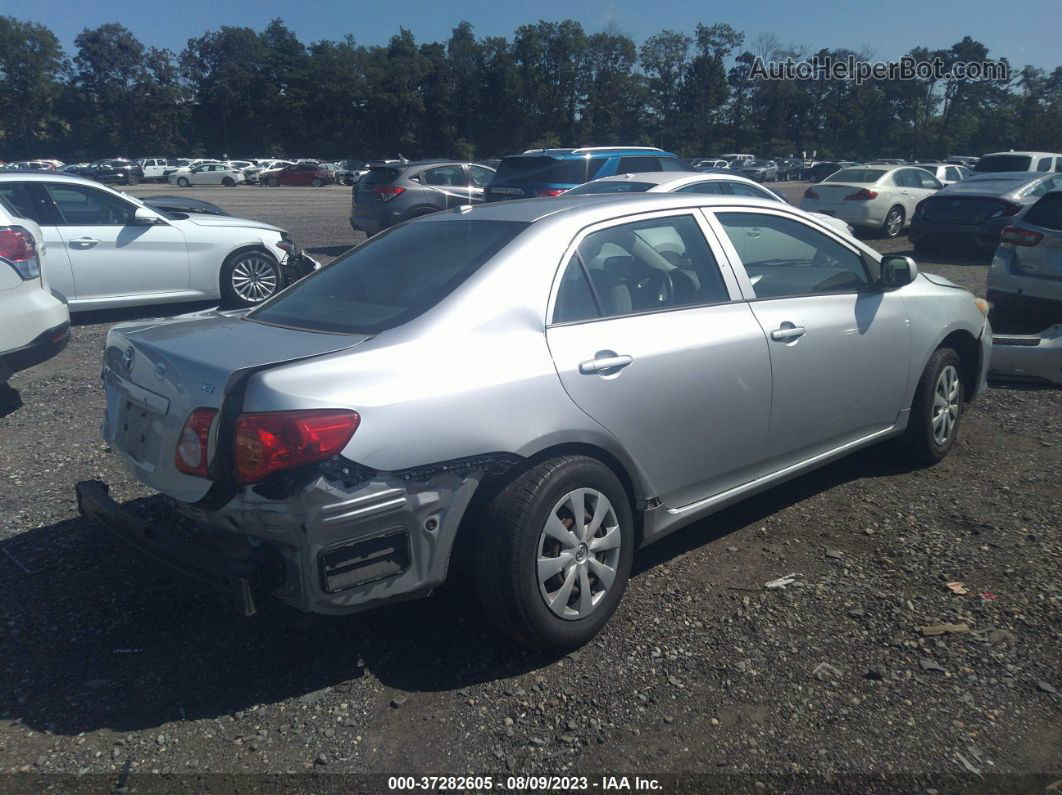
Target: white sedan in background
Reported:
[(881, 197), (107, 249), (710, 184), (208, 174)]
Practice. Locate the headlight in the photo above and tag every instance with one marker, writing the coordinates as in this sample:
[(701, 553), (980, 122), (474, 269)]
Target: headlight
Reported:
[(983, 305)]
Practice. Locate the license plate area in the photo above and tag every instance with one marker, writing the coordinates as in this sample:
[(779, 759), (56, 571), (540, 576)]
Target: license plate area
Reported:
[(138, 432)]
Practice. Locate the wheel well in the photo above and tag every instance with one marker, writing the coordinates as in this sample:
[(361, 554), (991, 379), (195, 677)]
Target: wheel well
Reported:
[(492, 484), (969, 350)]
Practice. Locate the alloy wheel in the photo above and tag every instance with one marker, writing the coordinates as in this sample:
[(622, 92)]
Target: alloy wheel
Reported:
[(254, 279), (578, 553), (894, 223), (945, 405)]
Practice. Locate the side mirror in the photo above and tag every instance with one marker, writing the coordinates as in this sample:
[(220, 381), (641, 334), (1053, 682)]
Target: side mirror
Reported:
[(897, 271), (145, 217)]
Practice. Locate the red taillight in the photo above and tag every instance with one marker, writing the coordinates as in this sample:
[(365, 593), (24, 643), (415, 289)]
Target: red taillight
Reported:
[(286, 245), (549, 193), (191, 453), (810, 194), (387, 192), (276, 440), (1019, 236), (17, 245), (862, 195)]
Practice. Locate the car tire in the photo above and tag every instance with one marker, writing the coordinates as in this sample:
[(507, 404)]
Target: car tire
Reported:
[(894, 220), (228, 182), (132, 179), (317, 182), (274, 182), (182, 182), (250, 277), (936, 411), (520, 534)]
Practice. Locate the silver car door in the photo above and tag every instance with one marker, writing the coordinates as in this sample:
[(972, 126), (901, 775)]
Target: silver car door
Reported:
[(30, 200), (109, 255), (840, 345), (650, 340)]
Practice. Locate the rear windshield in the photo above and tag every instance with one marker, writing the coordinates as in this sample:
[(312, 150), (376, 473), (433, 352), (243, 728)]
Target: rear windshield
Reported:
[(1004, 163), (534, 170), (380, 176), (856, 175), (391, 279), (610, 187), (1047, 212)]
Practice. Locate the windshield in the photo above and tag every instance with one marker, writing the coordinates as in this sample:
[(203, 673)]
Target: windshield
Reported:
[(858, 175), (391, 279), (610, 187), (1004, 163), (546, 170)]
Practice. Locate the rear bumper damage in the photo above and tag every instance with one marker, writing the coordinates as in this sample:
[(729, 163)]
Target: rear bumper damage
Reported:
[(338, 540), (1028, 357)]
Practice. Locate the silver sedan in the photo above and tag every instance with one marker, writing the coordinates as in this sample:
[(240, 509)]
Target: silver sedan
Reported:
[(544, 386)]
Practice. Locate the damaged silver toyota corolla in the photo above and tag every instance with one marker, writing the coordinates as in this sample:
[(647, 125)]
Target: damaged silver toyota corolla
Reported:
[(543, 385)]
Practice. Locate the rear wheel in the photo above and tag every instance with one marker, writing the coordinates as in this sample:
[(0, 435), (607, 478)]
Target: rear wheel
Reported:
[(228, 182), (132, 179), (937, 408), (893, 222), (554, 552), (250, 277), (317, 182), (182, 182)]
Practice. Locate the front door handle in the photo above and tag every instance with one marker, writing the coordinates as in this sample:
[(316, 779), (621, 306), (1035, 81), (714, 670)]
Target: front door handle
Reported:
[(605, 365), (84, 242), (788, 332)]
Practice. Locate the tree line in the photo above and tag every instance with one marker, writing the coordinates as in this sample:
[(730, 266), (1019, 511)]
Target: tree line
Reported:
[(250, 93)]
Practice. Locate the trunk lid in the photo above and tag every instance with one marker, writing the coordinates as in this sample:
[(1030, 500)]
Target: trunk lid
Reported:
[(157, 372), (837, 192), (952, 209)]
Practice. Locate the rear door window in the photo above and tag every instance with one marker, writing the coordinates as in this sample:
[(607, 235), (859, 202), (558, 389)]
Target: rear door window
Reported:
[(523, 170), (1044, 164), (638, 165), (20, 197), (1047, 212), (445, 176), (672, 164), (708, 188)]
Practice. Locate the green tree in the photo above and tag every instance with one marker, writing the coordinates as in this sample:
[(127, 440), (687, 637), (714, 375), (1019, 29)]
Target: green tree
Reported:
[(31, 66)]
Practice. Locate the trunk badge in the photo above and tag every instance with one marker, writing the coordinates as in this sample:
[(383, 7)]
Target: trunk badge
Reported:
[(207, 388), (160, 371)]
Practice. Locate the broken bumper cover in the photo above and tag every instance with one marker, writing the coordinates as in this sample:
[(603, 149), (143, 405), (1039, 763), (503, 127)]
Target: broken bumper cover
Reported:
[(227, 573), (1029, 357)]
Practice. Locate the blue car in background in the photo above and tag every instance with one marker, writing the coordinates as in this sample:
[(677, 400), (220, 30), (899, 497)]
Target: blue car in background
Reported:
[(550, 172)]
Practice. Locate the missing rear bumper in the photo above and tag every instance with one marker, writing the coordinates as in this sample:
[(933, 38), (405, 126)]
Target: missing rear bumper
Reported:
[(222, 566)]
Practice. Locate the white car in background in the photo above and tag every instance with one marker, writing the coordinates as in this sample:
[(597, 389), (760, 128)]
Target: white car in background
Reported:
[(207, 174), (872, 197), (947, 173), (108, 249), (711, 184), (34, 322)]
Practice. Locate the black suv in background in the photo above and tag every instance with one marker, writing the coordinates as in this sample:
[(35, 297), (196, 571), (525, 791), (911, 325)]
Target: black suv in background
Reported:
[(115, 170), (394, 191)]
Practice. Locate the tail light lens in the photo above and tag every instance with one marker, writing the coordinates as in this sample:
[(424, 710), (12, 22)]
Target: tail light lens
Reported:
[(863, 195), (276, 440), (19, 249), (387, 192), (191, 453), (810, 194), (1019, 236), (550, 193)]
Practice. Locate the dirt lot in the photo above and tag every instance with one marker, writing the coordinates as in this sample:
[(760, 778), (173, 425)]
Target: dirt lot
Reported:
[(110, 668)]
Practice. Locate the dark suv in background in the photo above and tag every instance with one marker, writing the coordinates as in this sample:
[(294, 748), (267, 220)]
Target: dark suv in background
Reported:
[(395, 191), (550, 172), (113, 171)]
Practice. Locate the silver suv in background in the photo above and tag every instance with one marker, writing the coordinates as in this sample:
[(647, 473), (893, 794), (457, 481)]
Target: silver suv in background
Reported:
[(395, 191), (545, 385)]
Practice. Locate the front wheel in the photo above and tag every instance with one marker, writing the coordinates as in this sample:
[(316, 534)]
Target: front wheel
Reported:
[(894, 222), (249, 278), (317, 182), (554, 552), (228, 182), (182, 182), (937, 408), (132, 179)]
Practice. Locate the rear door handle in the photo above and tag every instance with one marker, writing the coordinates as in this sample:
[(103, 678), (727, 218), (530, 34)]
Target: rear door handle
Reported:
[(605, 365), (788, 332), (84, 242)]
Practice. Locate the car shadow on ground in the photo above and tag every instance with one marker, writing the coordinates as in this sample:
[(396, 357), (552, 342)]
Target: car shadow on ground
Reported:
[(10, 400), (93, 638)]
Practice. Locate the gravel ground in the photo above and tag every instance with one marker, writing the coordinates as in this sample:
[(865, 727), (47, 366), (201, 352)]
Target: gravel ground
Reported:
[(110, 668)]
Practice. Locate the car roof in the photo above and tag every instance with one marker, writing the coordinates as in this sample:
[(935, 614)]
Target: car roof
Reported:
[(666, 177), (998, 182), (592, 151), (1034, 154), (594, 208)]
